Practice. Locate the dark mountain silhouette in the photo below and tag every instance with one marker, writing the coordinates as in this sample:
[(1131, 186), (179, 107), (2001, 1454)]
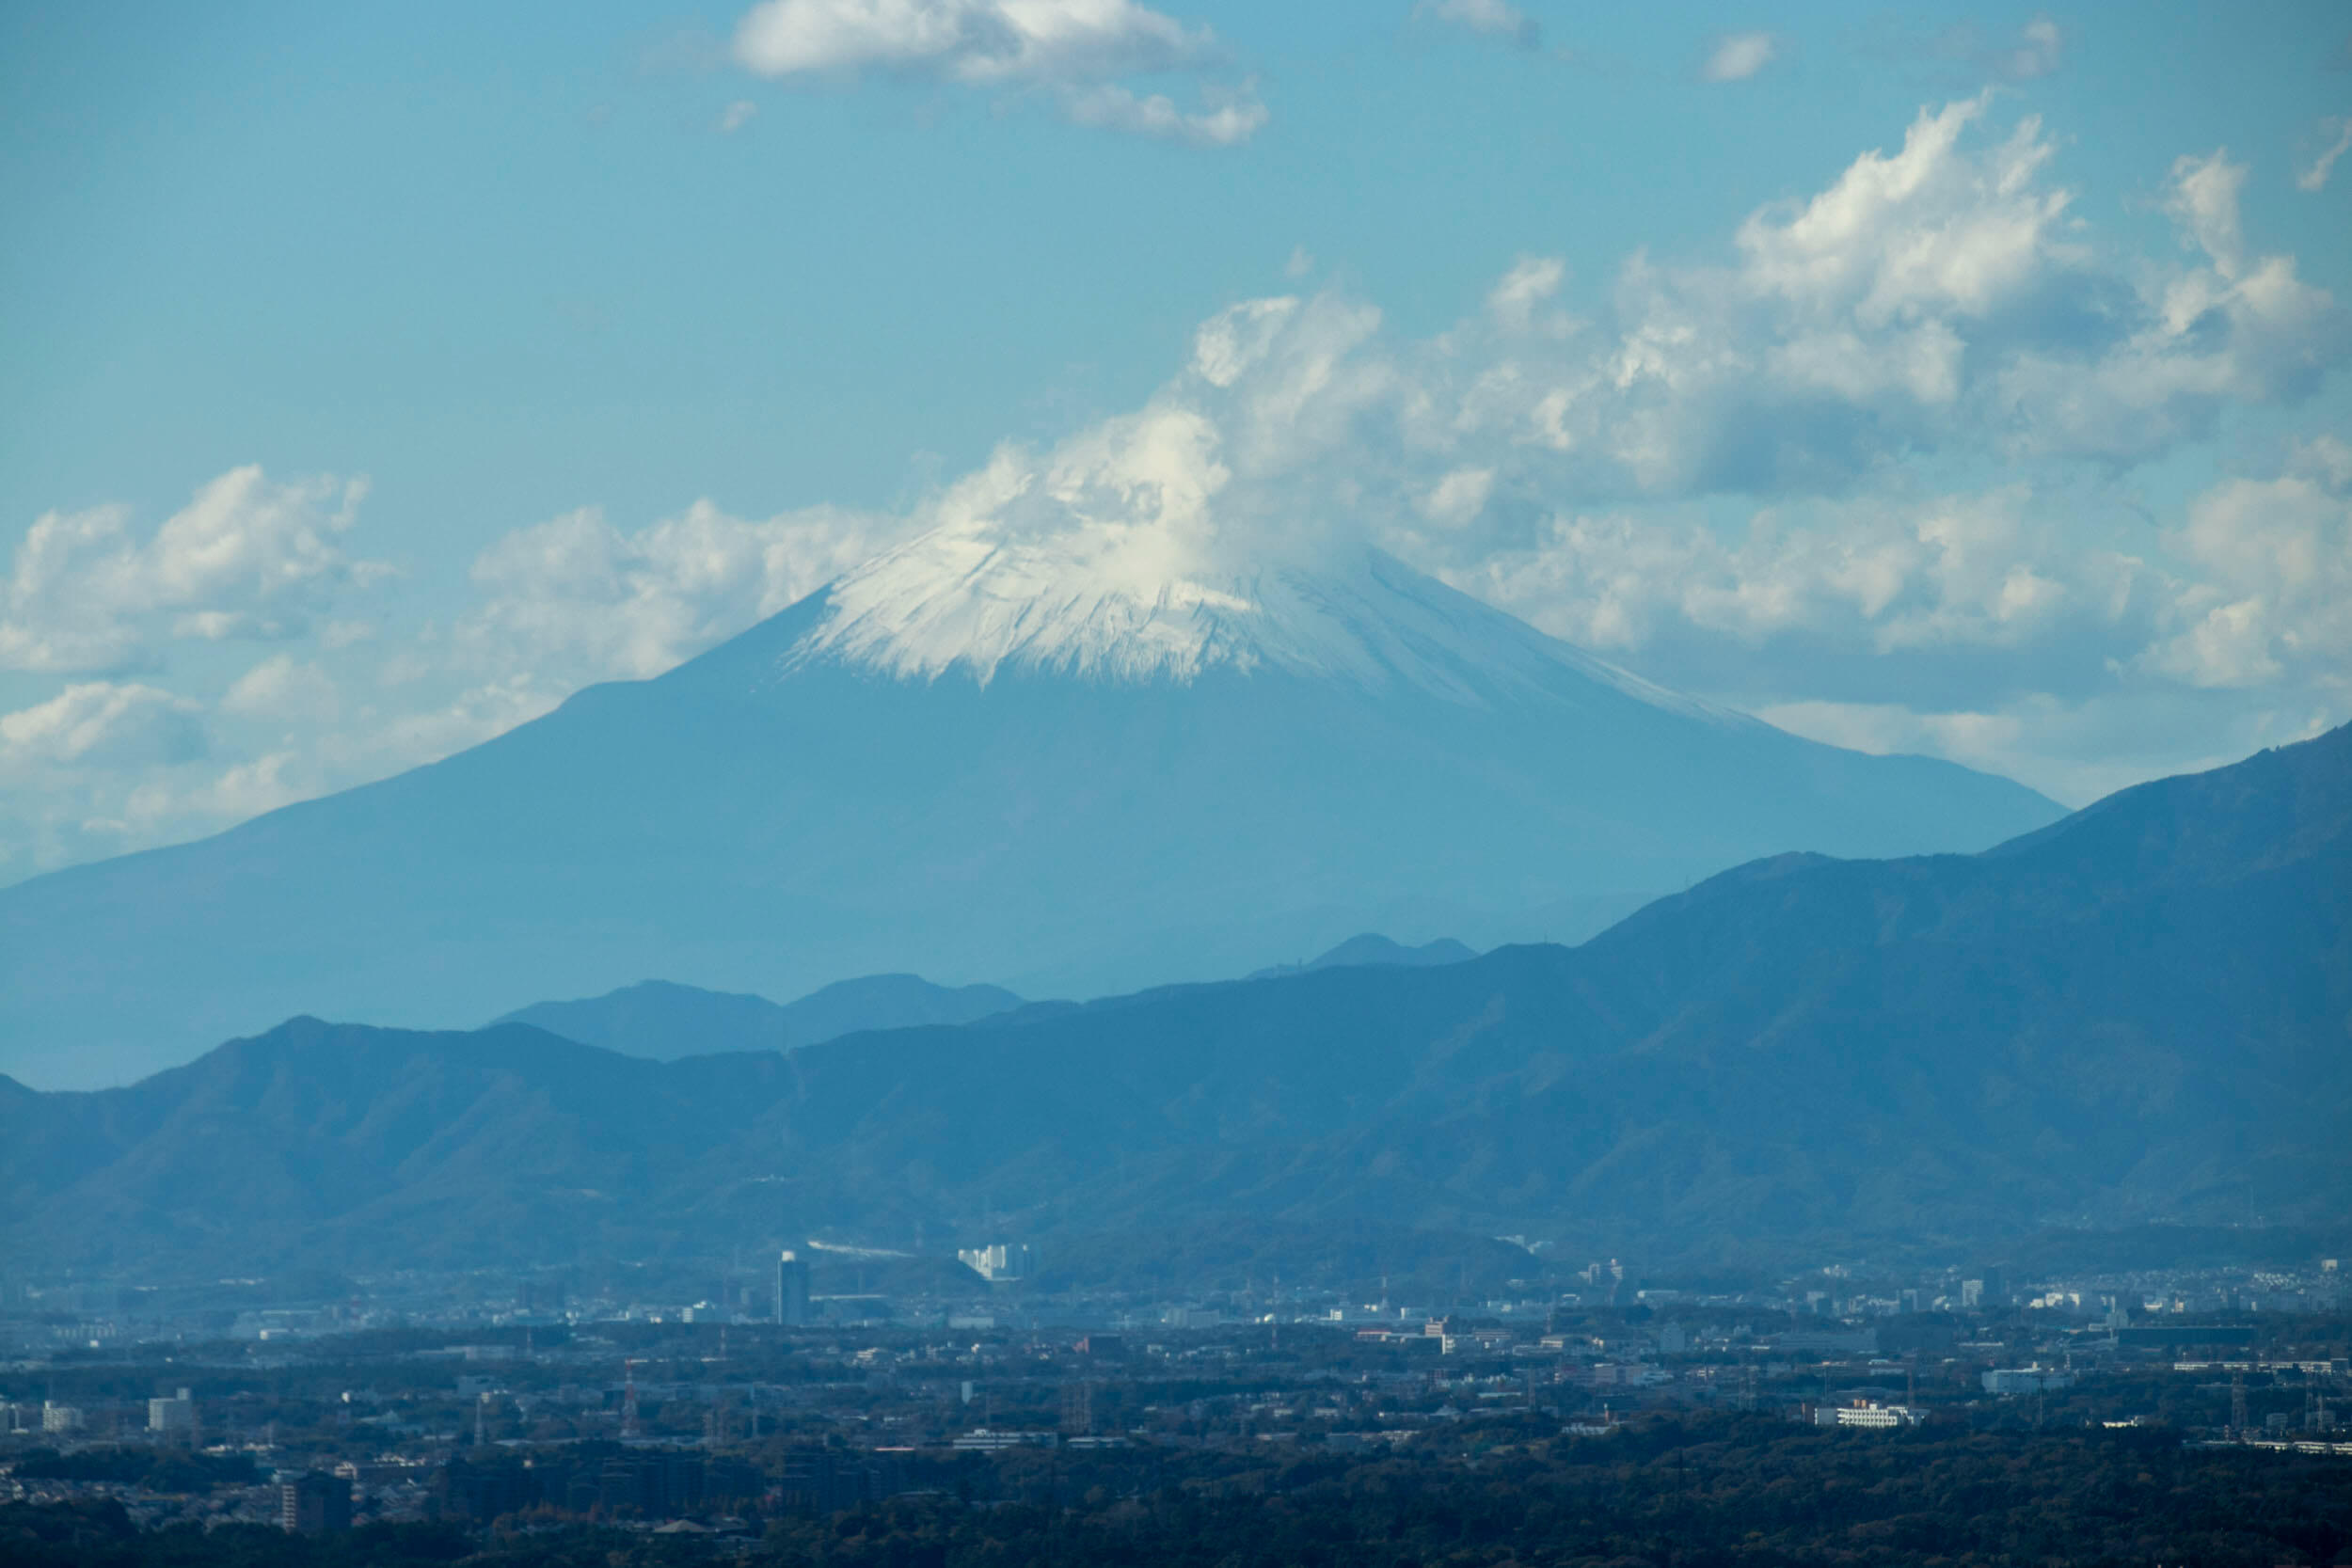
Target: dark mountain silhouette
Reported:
[(664, 1020), (1374, 948), (1175, 788), (2137, 1016)]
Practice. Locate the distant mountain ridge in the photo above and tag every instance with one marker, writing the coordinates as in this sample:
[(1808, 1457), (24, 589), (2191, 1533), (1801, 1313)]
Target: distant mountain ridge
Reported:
[(904, 772), (1374, 948), (2139, 1015), (664, 1020)]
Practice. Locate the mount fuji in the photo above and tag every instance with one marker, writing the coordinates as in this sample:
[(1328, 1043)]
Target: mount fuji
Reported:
[(1072, 766)]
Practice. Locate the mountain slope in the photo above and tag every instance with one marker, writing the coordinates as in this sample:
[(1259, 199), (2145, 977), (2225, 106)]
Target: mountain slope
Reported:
[(447, 1146), (811, 800), (665, 1020), (2138, 1015)]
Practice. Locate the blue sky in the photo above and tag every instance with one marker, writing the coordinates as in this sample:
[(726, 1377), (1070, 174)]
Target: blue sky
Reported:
[(379, 374)]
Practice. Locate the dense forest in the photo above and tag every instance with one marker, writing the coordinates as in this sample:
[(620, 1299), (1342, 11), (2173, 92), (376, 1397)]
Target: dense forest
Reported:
[(1729, 1489)]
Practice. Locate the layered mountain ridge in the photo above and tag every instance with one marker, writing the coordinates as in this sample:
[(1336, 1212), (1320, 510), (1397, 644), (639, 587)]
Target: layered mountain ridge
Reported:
[(2138, 1015), (1015, 768)]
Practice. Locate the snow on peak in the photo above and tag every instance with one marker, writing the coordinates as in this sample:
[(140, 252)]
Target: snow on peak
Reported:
[(1124, 606)]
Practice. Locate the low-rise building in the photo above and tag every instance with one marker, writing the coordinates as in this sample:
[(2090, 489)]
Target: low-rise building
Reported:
[(171, 1417), (2026, 1380), (997, 1439), (1867, 1414)]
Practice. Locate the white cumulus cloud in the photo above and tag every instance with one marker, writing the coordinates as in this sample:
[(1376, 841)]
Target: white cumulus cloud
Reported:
[(1943, 296), (249, 557), (575, 599), (2239, 328), (1929, 230), (1082, 52), (68, 764), (2274, 585)]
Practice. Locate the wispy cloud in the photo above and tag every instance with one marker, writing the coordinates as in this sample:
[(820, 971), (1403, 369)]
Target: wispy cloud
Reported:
[(1227, 118), (1738, 56), (1492, 19), (2035, 53), (737, 115), (2315, 177)]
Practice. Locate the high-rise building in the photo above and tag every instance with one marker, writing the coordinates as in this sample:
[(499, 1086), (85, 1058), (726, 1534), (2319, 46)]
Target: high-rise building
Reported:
[(791, 1290), (314, 1503)]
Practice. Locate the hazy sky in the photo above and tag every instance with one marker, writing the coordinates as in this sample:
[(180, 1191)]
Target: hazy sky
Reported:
[(1966, 381)]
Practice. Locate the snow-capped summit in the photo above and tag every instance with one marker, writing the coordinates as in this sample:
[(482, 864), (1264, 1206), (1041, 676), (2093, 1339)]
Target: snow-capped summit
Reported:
[(979, 600)]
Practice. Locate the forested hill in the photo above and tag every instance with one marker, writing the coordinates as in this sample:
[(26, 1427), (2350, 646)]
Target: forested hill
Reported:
[(1747, 1490), (2139, 1014)]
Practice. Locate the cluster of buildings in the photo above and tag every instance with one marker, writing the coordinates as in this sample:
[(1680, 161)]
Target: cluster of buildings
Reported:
[(1000, 1261), (664, 1424), (1001, 1290), (548, 1396)]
